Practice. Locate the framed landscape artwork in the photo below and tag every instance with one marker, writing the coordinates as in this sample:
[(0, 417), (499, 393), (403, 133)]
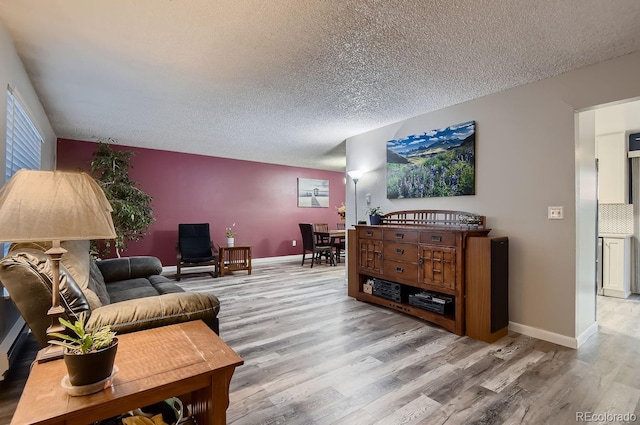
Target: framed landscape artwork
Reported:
[(313, 193), (433, 164)]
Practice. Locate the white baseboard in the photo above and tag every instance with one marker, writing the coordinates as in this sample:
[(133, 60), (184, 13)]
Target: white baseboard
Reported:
[(553, 337), (590, 331), (283, 258)]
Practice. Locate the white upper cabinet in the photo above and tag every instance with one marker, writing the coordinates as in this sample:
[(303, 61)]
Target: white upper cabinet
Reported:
[(613, 182)]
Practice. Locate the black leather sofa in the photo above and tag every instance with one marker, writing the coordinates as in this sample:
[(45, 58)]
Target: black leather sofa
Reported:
[(127, 293)]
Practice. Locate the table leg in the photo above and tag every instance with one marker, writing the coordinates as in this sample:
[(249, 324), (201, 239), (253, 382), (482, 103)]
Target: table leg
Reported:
[(221, 256), (210, 404)]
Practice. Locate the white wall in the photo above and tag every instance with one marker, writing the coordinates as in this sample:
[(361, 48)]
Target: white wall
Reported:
[(620, 118), (12, 74), (528, 156)]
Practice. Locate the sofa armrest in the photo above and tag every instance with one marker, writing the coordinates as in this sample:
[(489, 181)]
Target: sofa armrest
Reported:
[(150, 312), (115, 269)]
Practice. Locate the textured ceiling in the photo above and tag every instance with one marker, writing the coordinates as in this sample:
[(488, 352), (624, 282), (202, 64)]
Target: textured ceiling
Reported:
[(286, 81)]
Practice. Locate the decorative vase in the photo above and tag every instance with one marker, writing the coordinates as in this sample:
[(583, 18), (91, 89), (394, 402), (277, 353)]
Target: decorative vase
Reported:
[(230, 241), (374, 219), (89, 368)]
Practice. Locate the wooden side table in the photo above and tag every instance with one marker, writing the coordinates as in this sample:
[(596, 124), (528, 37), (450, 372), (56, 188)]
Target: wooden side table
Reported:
[(187, 360), (236, 257)]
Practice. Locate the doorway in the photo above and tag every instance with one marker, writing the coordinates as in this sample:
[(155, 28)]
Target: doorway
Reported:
[(618, 184)]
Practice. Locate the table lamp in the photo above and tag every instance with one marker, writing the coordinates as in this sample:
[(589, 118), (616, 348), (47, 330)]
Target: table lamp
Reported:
[(355, 176), (54, 206)]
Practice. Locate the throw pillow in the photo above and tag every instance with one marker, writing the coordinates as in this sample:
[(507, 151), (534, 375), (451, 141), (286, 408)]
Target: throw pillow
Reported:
[(97, 285)]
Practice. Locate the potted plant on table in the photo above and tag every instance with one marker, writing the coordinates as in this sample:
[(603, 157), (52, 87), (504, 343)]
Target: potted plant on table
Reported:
[(88, 355), (230, 235), (342, 212), (375, 215)]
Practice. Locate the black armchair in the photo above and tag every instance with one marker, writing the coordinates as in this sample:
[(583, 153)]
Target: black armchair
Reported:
[(195, 248)]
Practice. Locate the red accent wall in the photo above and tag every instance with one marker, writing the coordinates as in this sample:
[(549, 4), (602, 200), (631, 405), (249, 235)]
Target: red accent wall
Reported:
[(260, 198)]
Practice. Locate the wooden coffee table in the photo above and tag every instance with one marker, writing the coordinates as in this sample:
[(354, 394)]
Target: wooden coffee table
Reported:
[(187, 360)]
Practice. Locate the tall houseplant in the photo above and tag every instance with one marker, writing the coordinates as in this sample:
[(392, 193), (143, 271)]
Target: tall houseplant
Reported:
[(132, 212)]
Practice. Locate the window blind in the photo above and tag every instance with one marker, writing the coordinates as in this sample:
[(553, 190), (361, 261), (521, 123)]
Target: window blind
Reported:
[(24, 143)]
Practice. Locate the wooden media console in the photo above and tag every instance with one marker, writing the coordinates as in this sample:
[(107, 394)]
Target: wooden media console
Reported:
[(419, 252)]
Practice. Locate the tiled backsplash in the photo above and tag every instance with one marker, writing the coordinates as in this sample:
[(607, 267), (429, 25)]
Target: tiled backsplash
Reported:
[(615, 218)]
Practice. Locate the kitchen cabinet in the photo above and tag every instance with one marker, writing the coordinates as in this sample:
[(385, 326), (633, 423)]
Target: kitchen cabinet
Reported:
[(613, 186), (616, 259)]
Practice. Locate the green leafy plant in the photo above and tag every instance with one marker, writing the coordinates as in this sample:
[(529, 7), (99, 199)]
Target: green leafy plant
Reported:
[(83, 342), (132, 212), (374, 211)]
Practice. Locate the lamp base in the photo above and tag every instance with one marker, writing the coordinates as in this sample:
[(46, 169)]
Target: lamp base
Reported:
[(50, 352)]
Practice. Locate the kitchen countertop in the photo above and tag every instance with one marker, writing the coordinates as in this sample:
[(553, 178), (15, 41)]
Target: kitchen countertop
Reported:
[(615, 235)]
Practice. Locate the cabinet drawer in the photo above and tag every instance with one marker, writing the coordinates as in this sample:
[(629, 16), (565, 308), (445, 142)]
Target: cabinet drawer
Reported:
[(401, 235), (435, 238), (400, 251), (399, 271), (370, 233)]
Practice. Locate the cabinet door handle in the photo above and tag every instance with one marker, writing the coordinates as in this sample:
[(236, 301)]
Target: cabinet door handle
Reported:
[(421, 260), (399, 251), (369, 233), (436, 238), (399, 270), (380, 255), (399, 235)]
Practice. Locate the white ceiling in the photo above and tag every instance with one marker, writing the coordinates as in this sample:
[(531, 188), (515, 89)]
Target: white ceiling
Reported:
[(286, 81)]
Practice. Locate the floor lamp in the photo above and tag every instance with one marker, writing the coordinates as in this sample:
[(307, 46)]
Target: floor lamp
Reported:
[(55, 206), (355, 176)]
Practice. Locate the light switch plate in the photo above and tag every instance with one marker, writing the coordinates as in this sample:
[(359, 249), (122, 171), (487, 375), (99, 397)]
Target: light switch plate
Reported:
[(556, 213)]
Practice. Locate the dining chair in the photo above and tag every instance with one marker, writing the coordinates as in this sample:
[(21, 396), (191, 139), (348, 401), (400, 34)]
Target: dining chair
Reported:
[(339, 243), (321, 227), (309, 244)]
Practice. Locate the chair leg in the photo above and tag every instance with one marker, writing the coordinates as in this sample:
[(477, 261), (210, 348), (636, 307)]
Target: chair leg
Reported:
[(303, 254), (178, 272)]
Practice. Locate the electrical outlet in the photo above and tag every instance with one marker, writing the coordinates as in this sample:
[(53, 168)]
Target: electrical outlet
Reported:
[(293, 243), (555, 213)]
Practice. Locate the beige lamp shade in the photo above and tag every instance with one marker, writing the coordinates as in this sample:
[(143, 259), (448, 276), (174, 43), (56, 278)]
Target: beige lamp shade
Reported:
[(54, 205)]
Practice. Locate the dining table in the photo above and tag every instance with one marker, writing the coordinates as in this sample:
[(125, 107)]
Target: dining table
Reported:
[(334, 236)]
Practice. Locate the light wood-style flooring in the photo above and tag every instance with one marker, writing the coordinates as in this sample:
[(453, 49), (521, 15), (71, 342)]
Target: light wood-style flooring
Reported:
[(314, 356)]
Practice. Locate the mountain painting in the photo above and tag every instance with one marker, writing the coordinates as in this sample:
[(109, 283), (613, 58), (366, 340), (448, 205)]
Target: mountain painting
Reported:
[(433, 164)]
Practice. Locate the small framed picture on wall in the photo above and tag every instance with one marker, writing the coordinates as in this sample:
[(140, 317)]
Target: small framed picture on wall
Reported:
[(313, 193)]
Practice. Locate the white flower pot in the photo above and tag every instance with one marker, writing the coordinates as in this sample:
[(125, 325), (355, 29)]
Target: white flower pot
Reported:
[(230, 241)]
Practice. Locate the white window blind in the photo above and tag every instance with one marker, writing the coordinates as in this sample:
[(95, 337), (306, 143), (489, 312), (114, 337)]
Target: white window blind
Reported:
[(24, 142)]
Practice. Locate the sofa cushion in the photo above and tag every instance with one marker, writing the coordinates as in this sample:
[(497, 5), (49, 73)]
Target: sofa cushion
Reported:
[(76, 260), (115, 269), (163, 285), (97, 285), (167, 309), (129, 289)]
